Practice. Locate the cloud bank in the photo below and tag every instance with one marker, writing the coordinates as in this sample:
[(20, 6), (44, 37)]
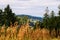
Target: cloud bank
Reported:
[(30, 7)]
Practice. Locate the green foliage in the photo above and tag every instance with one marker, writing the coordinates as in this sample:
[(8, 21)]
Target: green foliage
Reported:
[(23, 20), (52, 22), (7, 16), (46, 20)]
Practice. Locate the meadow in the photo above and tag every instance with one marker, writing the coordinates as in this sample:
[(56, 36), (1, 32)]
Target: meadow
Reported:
[(16, 27), (25, 32)]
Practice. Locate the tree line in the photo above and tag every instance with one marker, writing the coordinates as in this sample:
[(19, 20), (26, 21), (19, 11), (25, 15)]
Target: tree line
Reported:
[(52, 22)]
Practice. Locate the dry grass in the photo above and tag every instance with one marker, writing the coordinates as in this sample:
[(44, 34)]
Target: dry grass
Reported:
[(24, 33)]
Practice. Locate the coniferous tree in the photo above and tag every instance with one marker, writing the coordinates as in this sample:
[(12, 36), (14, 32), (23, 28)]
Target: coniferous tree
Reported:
[(9, 15), (46, 19), (52, 19), (58, 22), (1, 16), (52, 22)]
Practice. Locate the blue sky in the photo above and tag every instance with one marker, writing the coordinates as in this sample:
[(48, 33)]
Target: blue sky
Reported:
[(31, 7)]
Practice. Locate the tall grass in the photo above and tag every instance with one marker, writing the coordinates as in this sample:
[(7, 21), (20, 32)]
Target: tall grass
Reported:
[(24, 32)]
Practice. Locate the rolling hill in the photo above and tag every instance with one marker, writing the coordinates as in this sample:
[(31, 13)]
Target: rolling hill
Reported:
[(32, 17)]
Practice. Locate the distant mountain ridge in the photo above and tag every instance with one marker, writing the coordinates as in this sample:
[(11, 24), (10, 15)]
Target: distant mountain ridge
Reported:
[(32, 17)]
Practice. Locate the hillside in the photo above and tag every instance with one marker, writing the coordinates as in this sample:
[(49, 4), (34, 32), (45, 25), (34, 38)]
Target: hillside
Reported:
[(32, 17)]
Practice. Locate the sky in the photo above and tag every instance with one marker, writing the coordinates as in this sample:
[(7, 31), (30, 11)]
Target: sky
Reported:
[(31, 7)]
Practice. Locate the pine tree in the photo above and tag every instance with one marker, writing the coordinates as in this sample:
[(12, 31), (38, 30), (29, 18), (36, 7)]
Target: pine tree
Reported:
[(45, 19), (1, 16), (9, 15), (52, 21), (58, 20)]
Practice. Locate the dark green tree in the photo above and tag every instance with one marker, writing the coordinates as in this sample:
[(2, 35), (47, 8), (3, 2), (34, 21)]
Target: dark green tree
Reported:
[(46, 19), (58, 20), (52, 21), (1, 16), (9, 16)]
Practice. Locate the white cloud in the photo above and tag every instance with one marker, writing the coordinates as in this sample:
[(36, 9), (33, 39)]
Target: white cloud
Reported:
[(31, 7)]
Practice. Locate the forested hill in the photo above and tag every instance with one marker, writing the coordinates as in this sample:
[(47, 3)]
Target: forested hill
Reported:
[(31, 17)]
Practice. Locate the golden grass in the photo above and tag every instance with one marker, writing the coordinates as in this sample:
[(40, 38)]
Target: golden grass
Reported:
[(24, 33)]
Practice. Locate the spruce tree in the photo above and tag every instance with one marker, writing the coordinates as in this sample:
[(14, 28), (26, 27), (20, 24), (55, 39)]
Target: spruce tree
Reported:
[(9, 15), (45, 19), (1, 16)]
